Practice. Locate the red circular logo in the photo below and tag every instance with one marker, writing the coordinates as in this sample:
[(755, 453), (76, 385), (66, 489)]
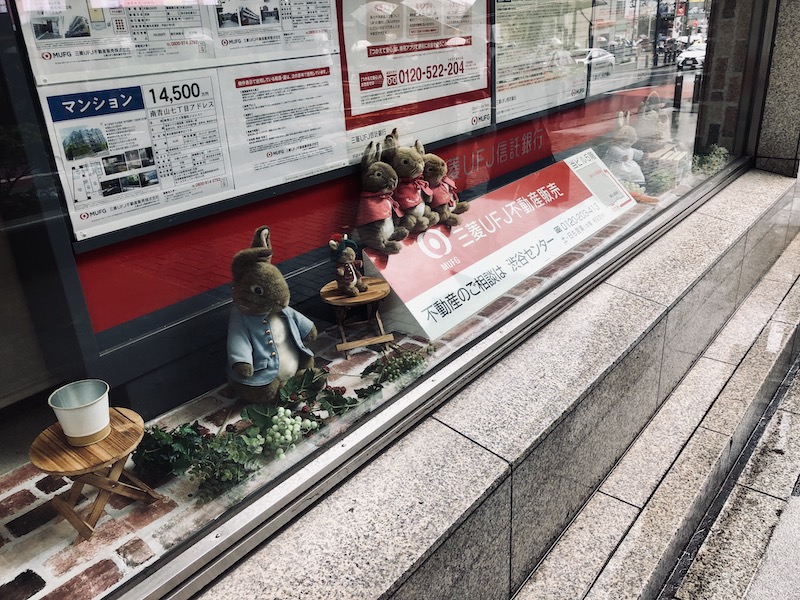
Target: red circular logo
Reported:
[(84, 216), (46, 55)]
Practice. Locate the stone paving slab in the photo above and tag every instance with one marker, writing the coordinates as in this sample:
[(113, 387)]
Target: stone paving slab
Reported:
[(755, 523)]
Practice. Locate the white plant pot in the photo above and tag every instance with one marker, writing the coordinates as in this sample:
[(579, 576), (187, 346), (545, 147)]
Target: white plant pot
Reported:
[(82, 408)]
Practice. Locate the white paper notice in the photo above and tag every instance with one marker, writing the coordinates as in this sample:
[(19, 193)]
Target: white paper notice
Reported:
[(129, 154), (534, 69), (290, 119), (79, 40), (420, 65)]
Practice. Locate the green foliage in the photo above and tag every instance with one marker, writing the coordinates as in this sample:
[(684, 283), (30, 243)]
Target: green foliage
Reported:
[(714, 161), (311, 390), (660, 181), (281, 428), (162, 452), (304, 386), (406, 364), (634, 188), (218, 462), (225, 460)]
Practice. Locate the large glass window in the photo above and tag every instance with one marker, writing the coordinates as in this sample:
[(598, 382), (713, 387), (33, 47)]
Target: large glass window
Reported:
[(425, 171)]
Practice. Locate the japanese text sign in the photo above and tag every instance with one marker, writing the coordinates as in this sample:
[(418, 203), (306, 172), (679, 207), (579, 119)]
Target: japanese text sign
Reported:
[(508, 235)]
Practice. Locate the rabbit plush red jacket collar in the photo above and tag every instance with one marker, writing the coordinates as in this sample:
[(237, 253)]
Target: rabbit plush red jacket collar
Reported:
[(444, 192), (408, 193), (376, 206)]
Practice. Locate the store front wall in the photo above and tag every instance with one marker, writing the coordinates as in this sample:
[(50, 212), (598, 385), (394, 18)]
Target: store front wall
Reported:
[(142, 299)]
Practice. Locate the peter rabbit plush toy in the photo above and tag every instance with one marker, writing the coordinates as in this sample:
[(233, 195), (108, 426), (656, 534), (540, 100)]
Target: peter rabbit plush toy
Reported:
[(444, 193), (266, 338), (376, 208), (621, 157), (412, 189)]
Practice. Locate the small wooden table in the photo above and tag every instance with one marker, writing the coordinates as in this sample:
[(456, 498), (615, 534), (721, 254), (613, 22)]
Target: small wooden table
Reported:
[(377, 290), (100, 465)]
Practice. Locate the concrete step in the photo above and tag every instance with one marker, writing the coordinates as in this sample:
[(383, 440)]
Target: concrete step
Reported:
[(628, 537), (747, 546)]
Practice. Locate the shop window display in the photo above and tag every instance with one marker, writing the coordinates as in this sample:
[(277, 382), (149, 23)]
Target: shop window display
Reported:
[(467, 156)]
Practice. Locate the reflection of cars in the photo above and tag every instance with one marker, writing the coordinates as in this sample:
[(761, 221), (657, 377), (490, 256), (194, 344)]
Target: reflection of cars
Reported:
[(560, 59), (692, 58), (597, 57)]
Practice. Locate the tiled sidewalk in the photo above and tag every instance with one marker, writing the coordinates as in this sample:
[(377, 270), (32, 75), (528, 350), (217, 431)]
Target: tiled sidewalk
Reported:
[(39, 555)]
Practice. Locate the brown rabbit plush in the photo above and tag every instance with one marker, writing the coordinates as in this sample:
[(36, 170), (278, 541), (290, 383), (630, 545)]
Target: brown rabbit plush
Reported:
[(376, 208), (412, 189), (266, 338), (444, 193)]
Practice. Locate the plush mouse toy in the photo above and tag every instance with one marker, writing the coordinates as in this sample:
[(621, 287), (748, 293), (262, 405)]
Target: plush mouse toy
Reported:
[(348, 275), (377, 209), (444, 193), (412, 189), (266, 338)]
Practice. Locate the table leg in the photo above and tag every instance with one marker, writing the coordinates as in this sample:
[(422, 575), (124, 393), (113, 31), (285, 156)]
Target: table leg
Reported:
[(341, 315), (68, 504), (66, 511), (132, 479), (74, 493), (380, 325), (104, 495)]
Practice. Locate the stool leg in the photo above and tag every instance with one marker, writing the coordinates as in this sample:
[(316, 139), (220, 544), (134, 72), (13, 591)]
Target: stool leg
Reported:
[(66, 511), (104, 495), (74, 493), (341, 315), (141, 485)]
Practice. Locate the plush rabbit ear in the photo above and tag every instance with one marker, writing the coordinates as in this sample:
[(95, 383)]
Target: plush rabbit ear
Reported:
[(419, 147), (390, 145), (372, 154), (620, 119), (261, 239), (627, 117)]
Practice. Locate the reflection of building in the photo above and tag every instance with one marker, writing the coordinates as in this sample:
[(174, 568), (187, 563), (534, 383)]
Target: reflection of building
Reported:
[(248, 17), (78, 28)]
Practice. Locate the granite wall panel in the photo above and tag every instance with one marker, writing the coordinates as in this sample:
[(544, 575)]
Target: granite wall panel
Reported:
[(556, 479)]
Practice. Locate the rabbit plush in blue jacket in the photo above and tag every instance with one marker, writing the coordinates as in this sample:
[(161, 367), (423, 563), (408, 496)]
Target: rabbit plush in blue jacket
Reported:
[(266, 338)]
